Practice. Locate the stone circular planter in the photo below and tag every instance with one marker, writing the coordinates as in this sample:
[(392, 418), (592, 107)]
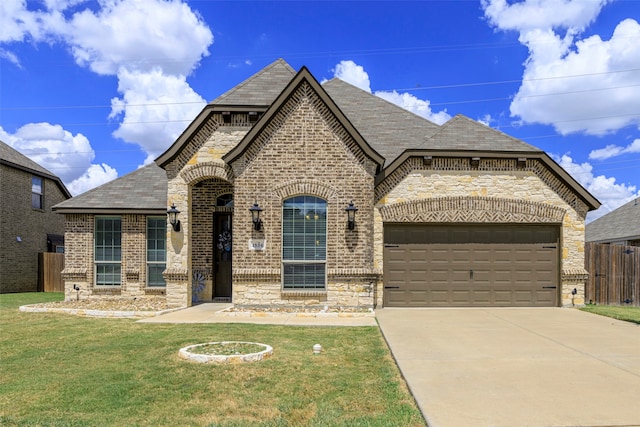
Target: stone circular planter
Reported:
[(190, 353)]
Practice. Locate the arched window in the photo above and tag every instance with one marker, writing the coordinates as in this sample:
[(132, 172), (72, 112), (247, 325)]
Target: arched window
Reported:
[(304, 243)]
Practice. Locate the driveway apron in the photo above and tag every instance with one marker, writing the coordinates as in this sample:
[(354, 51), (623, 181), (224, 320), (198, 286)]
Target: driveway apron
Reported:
[(517, 367)]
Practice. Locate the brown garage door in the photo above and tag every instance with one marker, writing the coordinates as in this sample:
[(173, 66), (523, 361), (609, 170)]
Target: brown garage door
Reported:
[(467, 266)]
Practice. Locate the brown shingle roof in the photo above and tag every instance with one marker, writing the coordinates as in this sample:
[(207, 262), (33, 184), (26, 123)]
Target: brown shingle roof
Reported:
[(261, 89), (620, 224), (389, 129), (463, 133), (141, 191)]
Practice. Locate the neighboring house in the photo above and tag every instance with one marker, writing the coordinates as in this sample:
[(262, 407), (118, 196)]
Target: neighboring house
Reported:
[(618, 227), (28, 226), (451, 215)]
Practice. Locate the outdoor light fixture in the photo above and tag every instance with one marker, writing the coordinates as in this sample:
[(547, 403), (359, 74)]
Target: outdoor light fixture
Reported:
[(173, 217), (351, 215), (255, 216)]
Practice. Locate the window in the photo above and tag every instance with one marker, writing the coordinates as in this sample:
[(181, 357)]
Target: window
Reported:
[(304, 243), (108, 251), (36, 193), (156, 250), (225, 201)]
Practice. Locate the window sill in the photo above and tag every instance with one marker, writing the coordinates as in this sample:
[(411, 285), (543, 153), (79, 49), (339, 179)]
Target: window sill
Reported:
[(303, 292)]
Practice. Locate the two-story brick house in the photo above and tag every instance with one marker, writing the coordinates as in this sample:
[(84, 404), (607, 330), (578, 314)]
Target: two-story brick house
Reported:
[(27, 224), (284, 191)]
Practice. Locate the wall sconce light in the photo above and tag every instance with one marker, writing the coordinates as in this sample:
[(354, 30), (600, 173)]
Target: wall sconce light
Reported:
[(173, 217), (255, 216), (351, 215)]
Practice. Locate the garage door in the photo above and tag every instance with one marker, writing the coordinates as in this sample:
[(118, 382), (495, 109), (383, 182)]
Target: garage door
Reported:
[(470, 266)]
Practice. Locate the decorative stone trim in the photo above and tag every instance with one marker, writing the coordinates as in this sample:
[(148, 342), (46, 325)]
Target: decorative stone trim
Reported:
[(303, 293), (71, 273), (472, 209), (132, 275), (352, 272), (243, 274), (197, 140), (201, 171), (575, 275), (175, 274), (534, 166), (305, 187)]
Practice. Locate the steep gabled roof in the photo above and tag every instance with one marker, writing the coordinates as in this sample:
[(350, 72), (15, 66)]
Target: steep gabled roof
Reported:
[(620, 224), (260, 89), (463, 133), (256, 93), (12, 157), (389, 129), (303, 76), (143, 191)]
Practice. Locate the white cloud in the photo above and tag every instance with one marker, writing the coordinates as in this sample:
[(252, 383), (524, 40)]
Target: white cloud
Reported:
[(573, 84), (615, 150), (533, 14), (65, 155), (149, 45), (611, 194), (415, 105), (123, 34), (152, 116), (93, 177), (355, 74)]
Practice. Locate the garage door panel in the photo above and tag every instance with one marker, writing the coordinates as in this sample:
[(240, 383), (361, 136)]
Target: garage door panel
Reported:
[(498, 268)]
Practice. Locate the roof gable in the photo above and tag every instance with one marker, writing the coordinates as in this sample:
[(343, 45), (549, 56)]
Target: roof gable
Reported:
[(388, 128), (620, 224), (12, 157), (141, 191), (260, 89), (463, 133), (303, 77)]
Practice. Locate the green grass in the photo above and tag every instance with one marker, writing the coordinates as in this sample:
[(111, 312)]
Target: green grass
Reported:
[(628, 314), (62, 370)]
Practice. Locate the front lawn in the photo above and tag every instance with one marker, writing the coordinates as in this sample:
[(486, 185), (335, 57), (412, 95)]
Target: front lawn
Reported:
[(629, 314), (62, 370)]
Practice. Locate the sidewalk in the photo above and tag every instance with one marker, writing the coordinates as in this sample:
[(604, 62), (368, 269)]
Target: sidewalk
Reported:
[(213, 313)]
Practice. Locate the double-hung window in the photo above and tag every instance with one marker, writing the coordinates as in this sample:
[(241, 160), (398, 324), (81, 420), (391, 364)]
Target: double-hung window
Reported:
[(304, 243), (108, 251), (156, 250), (36, 193)]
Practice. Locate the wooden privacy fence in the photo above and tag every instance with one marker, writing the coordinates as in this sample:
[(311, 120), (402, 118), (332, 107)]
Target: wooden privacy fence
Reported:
[(614, 274), (50, 266)]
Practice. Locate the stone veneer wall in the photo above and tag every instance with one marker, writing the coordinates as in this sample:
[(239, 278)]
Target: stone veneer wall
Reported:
[(198, 162), (79, 265), (505, 181)]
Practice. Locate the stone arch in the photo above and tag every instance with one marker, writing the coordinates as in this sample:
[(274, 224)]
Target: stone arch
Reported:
[(474, 209), (201, 171), (319, 189)]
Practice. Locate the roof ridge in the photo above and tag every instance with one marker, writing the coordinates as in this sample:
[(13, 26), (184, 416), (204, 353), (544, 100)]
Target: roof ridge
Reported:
[(253, 77)]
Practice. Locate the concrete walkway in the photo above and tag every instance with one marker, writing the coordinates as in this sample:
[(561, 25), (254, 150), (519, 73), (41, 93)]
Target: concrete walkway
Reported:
[(517, 367), (213, 313)]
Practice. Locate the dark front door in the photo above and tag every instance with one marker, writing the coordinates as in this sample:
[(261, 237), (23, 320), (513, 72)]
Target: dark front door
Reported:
[(223, 244)]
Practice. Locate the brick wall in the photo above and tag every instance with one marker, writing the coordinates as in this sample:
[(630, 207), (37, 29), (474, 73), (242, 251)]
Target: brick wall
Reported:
[(19, 266)]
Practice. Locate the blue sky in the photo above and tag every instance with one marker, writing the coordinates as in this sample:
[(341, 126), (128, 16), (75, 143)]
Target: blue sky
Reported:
[(92, 90)]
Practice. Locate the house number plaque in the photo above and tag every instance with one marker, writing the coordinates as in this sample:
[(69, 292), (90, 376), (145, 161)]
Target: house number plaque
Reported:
[(257, 244)]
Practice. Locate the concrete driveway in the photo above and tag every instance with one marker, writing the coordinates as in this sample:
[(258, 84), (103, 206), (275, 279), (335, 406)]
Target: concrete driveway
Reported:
[(517, 367)]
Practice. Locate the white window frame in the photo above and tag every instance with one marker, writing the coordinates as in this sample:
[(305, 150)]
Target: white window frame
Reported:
[(97, 262), (35, 193), (155, 263)]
